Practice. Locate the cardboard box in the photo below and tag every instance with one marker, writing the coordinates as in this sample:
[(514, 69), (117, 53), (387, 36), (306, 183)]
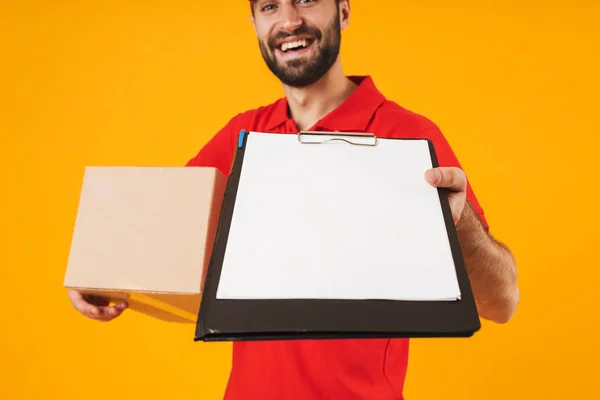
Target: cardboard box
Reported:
[(145, 234)]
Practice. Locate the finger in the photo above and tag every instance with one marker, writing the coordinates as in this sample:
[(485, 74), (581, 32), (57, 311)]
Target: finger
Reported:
[(451, 178), (100, 311), (80, 304), (107, 313), (122, 305), (457, 204), (96, 300)]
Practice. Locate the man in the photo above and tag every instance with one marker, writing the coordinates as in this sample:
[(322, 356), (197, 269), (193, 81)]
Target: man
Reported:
[(300, 41)]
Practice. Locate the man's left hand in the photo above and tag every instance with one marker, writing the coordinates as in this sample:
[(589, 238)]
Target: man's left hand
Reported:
[(455, 181)]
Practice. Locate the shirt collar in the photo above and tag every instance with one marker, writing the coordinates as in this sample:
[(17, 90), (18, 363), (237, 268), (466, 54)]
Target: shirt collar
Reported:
[(354, 114)]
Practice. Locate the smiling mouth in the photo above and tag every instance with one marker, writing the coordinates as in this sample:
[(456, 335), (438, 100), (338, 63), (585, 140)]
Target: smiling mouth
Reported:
[(296, 45)]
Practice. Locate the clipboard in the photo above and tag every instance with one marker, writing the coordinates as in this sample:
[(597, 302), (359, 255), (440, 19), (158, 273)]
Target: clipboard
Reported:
[(222, 318)]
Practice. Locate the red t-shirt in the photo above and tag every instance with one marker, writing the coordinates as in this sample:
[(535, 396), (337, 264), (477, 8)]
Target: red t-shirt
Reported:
[(372, 369)]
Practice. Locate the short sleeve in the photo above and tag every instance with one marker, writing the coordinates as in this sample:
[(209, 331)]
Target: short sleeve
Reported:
[(218, 152), (447, 158)]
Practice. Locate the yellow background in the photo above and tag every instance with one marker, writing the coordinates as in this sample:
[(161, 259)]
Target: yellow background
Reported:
[(513, 85)]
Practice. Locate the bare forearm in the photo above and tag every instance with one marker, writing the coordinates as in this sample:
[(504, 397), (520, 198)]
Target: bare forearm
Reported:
[(491, 267)]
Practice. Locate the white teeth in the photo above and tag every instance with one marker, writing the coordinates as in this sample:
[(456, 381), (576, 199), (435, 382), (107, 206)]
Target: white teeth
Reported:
[(293, 45)]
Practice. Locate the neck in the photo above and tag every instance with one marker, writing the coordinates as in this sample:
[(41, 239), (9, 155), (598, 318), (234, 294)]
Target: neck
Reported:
[(309, 104)]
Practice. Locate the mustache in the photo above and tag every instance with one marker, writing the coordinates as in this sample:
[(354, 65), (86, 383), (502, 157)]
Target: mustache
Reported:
[(303, 30)]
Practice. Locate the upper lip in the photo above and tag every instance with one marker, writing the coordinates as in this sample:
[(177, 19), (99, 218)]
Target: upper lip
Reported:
[(292, 39)]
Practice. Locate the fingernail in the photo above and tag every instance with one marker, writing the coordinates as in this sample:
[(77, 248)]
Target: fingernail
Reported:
[(434, 175)]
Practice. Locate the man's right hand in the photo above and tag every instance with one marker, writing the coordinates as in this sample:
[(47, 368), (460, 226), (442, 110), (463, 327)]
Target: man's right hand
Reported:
[(95, 307)]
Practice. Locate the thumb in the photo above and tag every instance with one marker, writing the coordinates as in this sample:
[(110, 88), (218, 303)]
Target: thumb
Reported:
[(433, 176)]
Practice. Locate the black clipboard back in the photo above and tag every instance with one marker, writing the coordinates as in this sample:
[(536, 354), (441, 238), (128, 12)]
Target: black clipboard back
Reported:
[(291, 319)]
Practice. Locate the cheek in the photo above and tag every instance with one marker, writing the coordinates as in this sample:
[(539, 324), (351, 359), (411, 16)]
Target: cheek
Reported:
[(263, 37), (262, 30)]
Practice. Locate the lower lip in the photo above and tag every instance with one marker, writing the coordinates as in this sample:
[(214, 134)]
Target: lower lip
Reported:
[(295, 53)]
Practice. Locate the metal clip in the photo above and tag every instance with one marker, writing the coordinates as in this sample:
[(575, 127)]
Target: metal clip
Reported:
[(342, 136)]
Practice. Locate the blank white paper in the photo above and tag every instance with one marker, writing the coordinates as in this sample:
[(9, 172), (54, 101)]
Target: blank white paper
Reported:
[(337, 221)]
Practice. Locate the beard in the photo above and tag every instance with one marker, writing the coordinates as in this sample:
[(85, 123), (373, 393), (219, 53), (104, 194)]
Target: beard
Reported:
[(303, 72)]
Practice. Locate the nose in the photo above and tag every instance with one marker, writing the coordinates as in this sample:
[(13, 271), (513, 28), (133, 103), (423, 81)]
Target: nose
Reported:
[(290, 17)]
